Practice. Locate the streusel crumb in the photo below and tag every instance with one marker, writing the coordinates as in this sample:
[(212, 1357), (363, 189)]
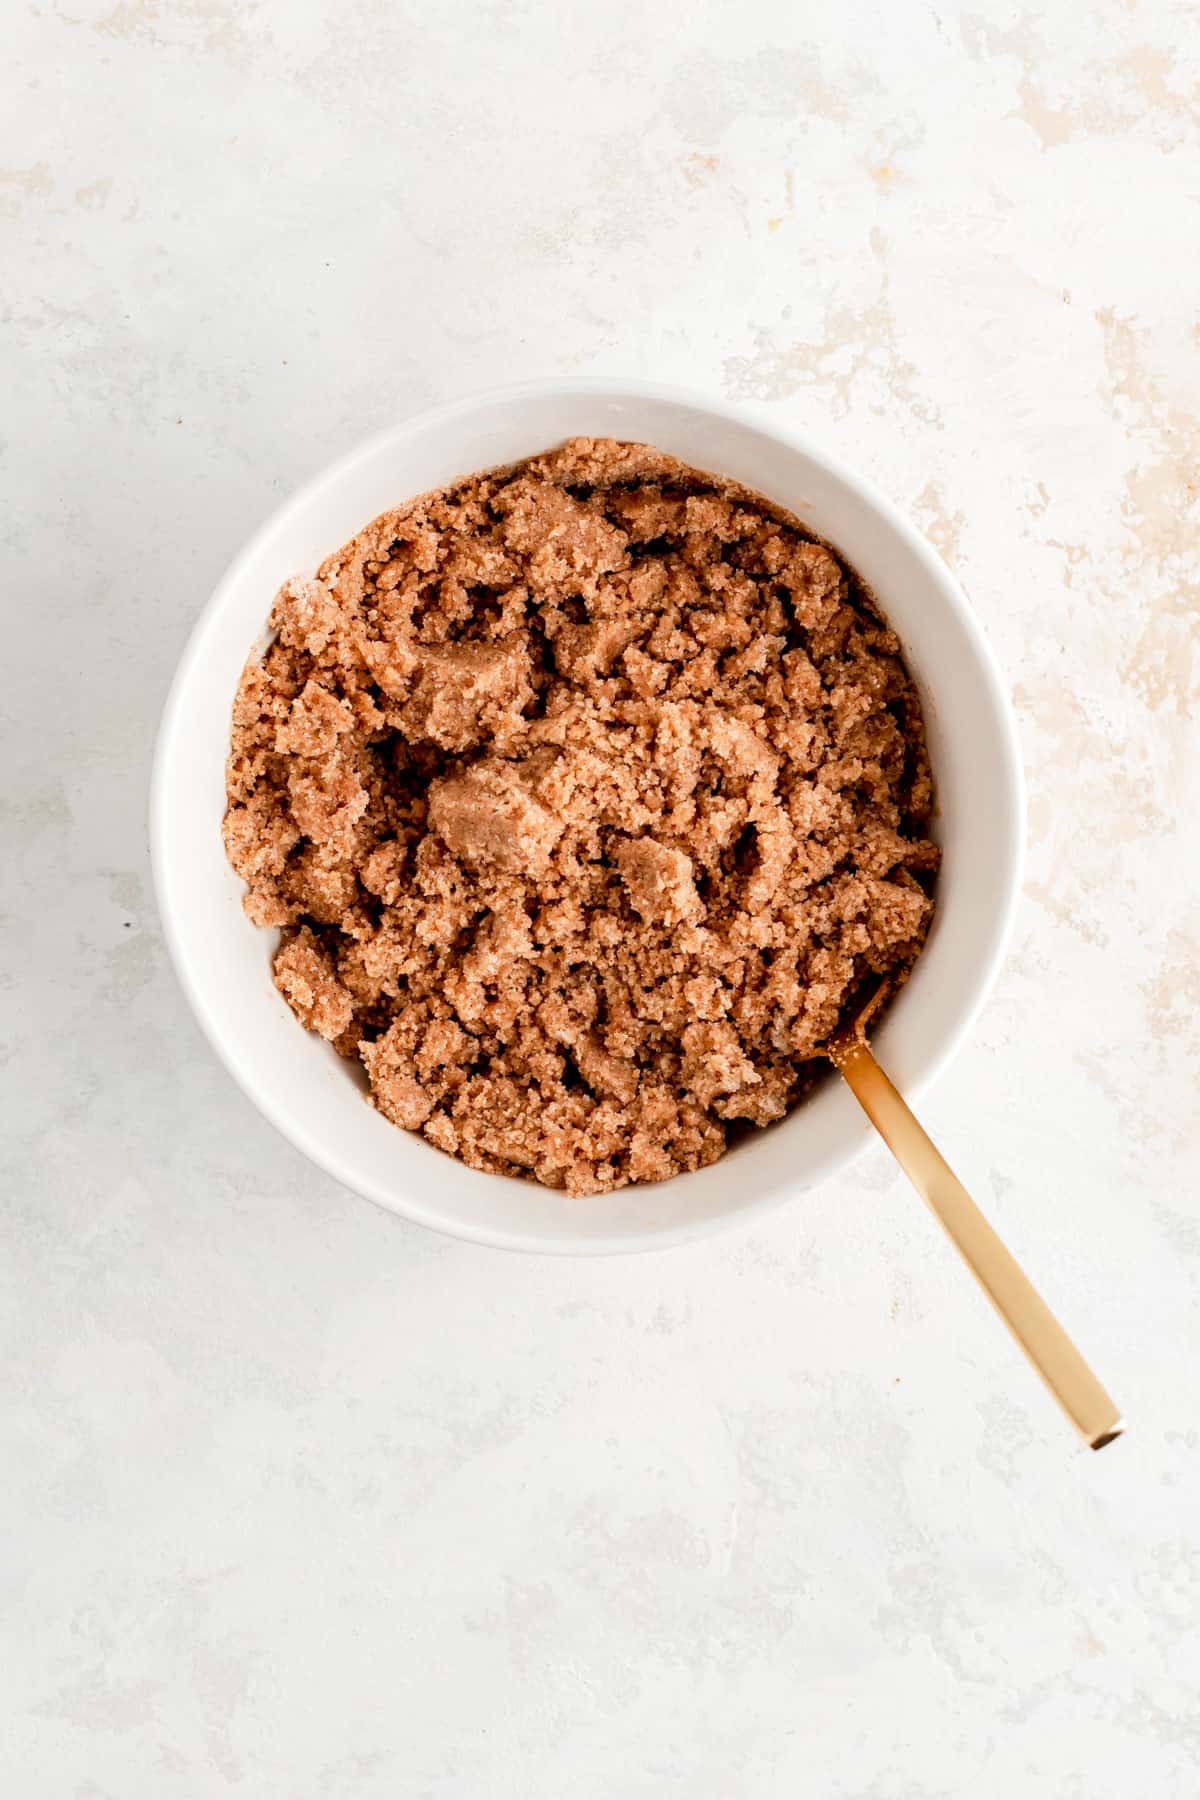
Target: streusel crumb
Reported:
[(585, 794)]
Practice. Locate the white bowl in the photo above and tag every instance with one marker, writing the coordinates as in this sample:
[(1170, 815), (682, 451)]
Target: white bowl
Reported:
[(224, 962)]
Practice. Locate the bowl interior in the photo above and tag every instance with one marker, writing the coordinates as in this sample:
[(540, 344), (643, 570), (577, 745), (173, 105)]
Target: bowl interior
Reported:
[(309, 1093)]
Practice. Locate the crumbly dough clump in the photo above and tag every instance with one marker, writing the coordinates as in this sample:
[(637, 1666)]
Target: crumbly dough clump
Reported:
[(584, 794)]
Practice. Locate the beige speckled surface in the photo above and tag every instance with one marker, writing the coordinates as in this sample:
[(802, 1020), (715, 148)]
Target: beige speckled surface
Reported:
[(297, 1500)]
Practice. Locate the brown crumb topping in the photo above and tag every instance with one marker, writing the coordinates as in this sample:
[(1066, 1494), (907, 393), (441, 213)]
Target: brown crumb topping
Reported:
[(585, 794)]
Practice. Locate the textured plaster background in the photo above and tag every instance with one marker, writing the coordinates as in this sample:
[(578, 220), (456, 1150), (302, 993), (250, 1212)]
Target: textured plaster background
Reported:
[(296, 1500)]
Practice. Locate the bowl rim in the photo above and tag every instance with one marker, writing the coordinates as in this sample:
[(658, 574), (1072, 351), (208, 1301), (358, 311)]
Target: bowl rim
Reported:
[(974, 994)]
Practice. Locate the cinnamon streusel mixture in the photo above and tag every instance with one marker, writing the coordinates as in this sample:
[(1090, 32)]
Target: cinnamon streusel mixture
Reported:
[(584, 793)]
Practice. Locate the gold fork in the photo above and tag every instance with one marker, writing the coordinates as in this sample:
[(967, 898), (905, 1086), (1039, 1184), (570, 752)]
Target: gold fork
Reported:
[(1086, 1403)]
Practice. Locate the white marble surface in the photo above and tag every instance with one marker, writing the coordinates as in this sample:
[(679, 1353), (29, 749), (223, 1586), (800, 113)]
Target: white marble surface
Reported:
[(299, 1501)]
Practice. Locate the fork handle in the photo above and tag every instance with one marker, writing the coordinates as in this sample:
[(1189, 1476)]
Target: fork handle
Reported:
[(1010, 1291)]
